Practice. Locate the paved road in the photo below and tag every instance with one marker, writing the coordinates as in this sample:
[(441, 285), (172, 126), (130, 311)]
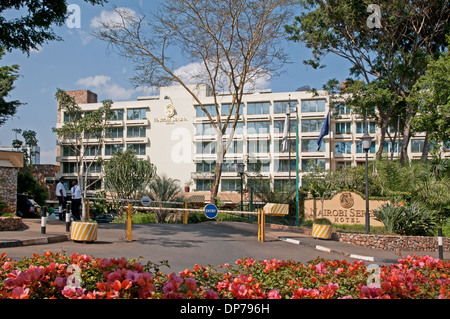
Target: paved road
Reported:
[(182, 245), (212, 243)]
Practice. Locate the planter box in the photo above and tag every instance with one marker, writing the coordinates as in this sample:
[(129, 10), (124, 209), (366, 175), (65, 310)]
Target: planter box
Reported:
[(321, 231), (84, 231)]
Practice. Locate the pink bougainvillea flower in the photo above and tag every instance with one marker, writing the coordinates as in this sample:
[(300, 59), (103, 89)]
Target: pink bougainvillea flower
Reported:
[(20, 293)]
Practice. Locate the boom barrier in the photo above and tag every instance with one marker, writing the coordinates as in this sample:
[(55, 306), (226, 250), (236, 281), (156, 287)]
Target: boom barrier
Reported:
[(269, 209)]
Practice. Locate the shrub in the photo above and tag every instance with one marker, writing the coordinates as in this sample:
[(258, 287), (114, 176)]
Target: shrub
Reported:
[(56, 276), (407, 220), (322, 221)]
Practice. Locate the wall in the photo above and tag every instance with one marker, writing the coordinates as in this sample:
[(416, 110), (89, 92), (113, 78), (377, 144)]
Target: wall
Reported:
[(8, 187)]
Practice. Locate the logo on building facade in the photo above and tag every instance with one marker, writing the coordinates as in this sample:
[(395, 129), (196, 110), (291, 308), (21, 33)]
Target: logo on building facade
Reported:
[(170, 110), (346, 200), (170, 116)]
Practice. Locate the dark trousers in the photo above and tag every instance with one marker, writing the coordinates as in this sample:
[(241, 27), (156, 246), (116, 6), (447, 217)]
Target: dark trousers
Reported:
[(76, 203)]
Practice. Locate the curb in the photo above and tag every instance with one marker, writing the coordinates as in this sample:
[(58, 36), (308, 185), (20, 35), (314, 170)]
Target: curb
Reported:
[(36, 241), (328, 250)]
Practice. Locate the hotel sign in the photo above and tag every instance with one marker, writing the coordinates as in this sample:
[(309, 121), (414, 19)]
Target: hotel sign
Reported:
[(343, 208), (170, 116)]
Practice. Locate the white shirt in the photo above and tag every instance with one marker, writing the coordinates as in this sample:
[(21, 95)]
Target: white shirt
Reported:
[(60, 187), (76, 192)]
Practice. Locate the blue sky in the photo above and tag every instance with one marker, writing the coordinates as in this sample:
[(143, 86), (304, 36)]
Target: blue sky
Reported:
[(81, 61)]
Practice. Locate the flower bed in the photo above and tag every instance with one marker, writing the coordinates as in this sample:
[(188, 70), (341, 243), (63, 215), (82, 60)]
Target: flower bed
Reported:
[(58, 276)]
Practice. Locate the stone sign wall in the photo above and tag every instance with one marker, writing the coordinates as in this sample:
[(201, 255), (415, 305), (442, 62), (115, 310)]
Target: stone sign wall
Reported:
[(343, 208)]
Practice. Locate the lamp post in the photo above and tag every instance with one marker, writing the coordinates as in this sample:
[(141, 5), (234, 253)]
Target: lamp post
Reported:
[(240, 167), (366, 142)]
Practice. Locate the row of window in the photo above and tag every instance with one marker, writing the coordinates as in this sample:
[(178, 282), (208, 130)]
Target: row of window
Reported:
[(263, 127), (260, 108), (118, 115)]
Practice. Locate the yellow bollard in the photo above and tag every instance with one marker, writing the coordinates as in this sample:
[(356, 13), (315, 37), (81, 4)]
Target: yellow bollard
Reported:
[(185, 214), (261, 226), (129, 222)]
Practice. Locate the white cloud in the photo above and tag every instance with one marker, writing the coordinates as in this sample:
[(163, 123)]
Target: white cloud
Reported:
[(113, 18), (102, 84)]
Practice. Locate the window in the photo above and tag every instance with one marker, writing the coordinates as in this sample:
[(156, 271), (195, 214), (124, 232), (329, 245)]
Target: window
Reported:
[(93, 150), (136, 114), (211, 108), (308, 165), (206, 167), (258, 146), (117, 115), (343, 147), (283, 165), (204, 184), (341, 108), (388, 147), (69, 167), (139, 149), (278, 126), (343, 128), (206, 148), (283, 184), (359, 148), (360, 126), (205, 129), (227, 107), (114, 132), (136, 131), (258, 166), (278, 146), (238, 130), (111, 149), (231, 185), (94, 167), (258, 127), (311, 146), (236, 147), (417, 145), (343, 164), (229, 167), (312, 125), (281, 107), (258, 108), (313, 106), (69, 151)]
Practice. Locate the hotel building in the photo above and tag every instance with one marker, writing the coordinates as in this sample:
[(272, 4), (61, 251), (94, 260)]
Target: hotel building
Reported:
[(172, 132)]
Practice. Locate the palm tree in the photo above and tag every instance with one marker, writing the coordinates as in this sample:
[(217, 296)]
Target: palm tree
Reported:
[(164, 189)]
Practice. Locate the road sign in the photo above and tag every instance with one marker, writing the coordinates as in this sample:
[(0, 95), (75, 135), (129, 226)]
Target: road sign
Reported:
[(145, 201), (211, 211)]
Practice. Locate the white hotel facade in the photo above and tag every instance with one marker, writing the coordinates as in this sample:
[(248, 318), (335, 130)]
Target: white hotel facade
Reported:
[(172, 132)]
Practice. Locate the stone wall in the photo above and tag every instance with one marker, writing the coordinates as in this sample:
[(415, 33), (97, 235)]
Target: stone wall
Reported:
[(393, 242), (8, 187), (384, 242), (10, 223)]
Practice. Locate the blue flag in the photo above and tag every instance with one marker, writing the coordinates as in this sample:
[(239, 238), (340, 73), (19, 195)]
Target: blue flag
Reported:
[(325, 130)]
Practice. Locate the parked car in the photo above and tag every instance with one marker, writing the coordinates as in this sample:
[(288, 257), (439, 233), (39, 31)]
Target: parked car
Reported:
[(104, 218), (27, 207)]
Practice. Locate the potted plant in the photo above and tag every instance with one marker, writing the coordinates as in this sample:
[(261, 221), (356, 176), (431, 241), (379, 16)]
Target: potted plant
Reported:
[(322, 228), (187, 185)]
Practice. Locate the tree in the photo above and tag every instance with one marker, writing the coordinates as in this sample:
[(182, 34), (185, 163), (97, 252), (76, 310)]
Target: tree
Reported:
[(8, 75), (125, 175), (27, 184), (33, 26), (432, 95), (234, 42), (164, 189), (391, 54), (83, 135)]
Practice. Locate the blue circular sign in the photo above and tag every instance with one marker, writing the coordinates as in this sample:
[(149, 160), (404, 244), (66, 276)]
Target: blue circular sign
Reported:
[(211, 211)]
